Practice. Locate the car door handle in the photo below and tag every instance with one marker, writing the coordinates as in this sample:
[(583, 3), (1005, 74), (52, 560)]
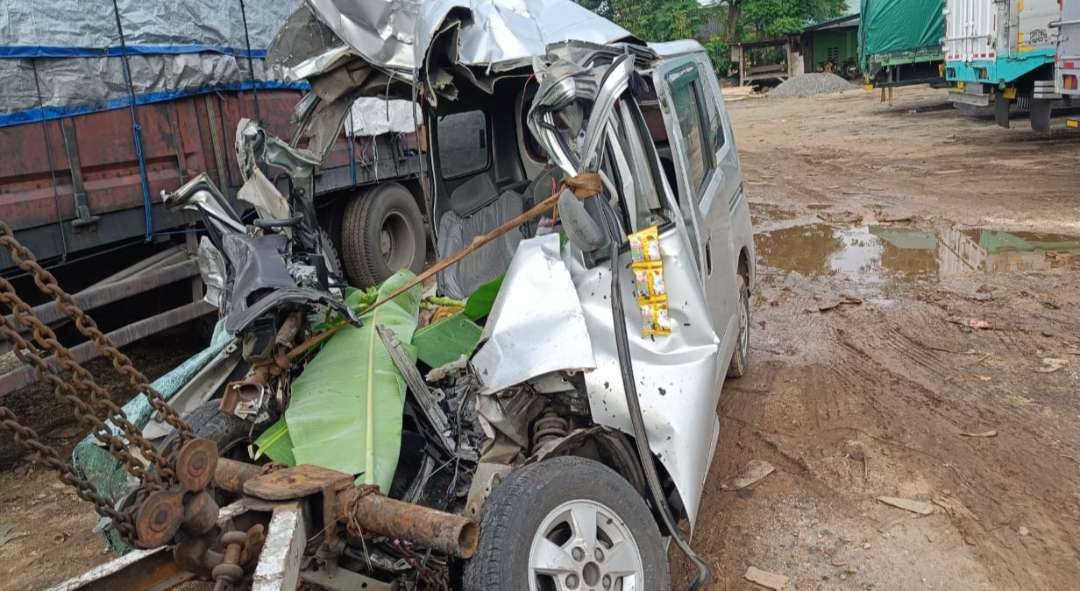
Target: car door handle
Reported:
[(708, 258)]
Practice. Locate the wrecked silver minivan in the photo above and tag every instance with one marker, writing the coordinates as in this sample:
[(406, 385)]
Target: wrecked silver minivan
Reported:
[(558, 384)]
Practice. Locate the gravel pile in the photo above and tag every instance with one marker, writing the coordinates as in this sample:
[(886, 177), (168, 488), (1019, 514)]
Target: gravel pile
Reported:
[(808, 84)]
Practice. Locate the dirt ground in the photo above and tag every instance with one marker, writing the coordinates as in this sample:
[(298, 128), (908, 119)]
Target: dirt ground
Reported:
[(904, 345), (53, 537)]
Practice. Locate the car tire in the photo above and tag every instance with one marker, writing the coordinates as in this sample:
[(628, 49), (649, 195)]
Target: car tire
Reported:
[(529, 533), (740, 358), (230, 433), (382, 232)]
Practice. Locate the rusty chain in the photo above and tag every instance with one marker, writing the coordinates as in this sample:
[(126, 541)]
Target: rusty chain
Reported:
[(46, 282), (73, 384), (64, 391), (94, 401), (47, 456), (433, 577)]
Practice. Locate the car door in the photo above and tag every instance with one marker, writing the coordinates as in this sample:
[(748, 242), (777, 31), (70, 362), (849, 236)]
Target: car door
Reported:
[(706, 169), (676, 374)]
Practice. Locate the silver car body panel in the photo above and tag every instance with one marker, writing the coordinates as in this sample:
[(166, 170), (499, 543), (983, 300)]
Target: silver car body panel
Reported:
[(394, 35), (536, 324), (677, 375)]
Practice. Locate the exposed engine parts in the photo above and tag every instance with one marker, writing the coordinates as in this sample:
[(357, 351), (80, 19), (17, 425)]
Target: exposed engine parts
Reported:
[(549, 427)]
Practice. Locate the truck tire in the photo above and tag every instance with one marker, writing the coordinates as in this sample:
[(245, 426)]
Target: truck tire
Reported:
[(382, 232), (532, 533)]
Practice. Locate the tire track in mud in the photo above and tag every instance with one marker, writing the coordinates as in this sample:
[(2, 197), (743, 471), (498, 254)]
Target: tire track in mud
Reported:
[(897, 384), (1008, 480)]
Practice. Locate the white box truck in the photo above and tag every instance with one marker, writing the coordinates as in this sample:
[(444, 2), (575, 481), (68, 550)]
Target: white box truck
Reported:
[(1067, 66), (1001, 54)]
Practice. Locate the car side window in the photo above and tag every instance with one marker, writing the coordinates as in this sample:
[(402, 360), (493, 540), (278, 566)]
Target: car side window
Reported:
[(687, 99), (714, 122), (463, 144)]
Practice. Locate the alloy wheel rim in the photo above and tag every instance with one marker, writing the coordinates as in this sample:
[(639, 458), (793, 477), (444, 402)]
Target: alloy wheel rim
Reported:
[(582, 545)]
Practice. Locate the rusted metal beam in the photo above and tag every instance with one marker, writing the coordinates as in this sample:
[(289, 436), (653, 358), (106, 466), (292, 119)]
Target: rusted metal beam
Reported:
[(373, 512), (24, 375), (138, 569), (95, 297), (445, 532), (230, 475)]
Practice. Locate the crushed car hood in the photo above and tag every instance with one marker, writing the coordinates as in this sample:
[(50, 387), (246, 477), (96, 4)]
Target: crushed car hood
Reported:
[(430, 42), (396, 34)]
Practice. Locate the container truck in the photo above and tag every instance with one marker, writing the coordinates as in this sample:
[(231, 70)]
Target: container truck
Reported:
[(1001, 55), (900, 42), (1068, 50)]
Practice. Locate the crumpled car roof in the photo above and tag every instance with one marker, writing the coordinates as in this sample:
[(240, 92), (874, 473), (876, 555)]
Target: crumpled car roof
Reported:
[(395, 35)]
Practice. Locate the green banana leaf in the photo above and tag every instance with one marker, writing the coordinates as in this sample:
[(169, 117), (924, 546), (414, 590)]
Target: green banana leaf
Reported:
[(480, 301), (346, 407), (276, 444), (447, 340)]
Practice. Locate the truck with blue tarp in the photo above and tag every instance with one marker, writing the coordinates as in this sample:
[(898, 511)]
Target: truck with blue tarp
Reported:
[(900, 41), (1001, 55), (101, 111)]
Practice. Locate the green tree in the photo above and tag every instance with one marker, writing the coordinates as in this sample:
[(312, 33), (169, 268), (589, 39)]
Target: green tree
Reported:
[(764, 19), (720, 55), (746, 20), (654, 20)]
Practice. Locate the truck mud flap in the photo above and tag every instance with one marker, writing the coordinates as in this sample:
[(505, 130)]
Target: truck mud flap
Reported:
[(1040, 115), (1001, 111)]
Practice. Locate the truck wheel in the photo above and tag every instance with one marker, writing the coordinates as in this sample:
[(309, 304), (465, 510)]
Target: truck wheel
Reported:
[(740, 358), (382, 232), (567, 523)]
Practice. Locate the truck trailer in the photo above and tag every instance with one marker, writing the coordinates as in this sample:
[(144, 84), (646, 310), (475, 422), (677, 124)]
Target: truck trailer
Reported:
[(1001, 55), (900, 42), (101, 113), (1067, 65)]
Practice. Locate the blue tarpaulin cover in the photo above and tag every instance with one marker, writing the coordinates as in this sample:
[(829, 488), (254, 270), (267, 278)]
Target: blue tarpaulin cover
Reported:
[(65, 57)]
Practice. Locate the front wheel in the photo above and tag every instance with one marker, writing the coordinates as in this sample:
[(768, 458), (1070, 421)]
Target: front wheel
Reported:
[(583, 526), (740, 358)]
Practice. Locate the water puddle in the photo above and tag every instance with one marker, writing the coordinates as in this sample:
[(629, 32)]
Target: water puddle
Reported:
[(874, 254), (762, 212)]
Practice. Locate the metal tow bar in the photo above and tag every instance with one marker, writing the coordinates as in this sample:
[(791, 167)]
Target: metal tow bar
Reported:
[(173, 493)]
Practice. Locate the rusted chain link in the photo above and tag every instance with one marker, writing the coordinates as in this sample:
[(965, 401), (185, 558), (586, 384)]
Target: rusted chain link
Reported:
[(64, 391), (433, 577), (47, 283), (47, 456), (95, 401)]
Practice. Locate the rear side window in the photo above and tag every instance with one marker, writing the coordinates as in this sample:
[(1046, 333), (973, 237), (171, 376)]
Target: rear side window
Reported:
[(687, 99), (709, 89), (463, 144)]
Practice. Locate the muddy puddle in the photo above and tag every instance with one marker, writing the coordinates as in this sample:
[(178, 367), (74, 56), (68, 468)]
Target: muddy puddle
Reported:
[(873, 254)]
